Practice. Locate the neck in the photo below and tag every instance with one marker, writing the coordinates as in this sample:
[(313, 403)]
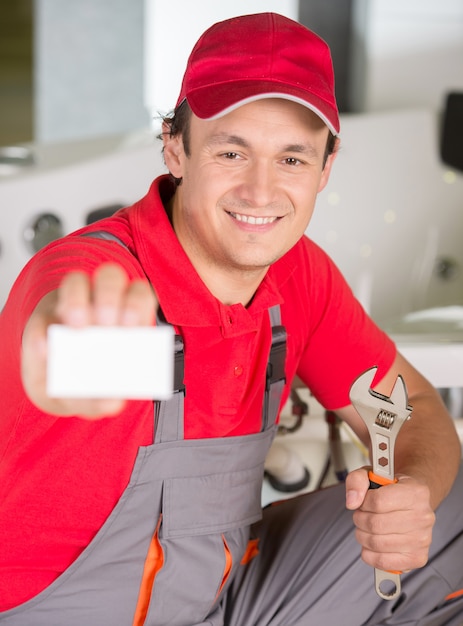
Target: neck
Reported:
[(232, 287)]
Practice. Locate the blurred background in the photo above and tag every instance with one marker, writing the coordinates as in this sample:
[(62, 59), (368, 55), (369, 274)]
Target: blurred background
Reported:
[(82, 68), (85, 80)]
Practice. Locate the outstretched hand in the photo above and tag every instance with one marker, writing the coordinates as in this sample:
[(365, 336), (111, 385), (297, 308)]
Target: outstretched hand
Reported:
[(393, 523), (107, 298)]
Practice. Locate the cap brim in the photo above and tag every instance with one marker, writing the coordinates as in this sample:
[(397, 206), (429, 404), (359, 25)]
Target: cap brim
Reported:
[(218, 100)]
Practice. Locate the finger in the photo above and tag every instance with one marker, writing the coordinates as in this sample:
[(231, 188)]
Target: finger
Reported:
[(420, 538), (74, 299), (140, 304), (396, 560), (357, 484), (34, 357), (405, 495), (88, 409), (109, 291), (401, 523)]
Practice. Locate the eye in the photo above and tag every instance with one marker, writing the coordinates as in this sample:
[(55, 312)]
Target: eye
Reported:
[(231, 155), (292, 161)]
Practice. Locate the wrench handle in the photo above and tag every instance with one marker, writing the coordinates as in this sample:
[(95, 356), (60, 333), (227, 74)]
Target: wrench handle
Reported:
[(387, 584), (377, 481)]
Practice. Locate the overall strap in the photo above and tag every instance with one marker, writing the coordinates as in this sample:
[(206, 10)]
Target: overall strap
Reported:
[(169, 414), (103, 234), (276, 377)]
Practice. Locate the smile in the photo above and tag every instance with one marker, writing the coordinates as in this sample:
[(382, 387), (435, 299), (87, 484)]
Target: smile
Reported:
[(250, 219)]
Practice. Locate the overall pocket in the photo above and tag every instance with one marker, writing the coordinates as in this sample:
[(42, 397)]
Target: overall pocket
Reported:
[(204, 534)]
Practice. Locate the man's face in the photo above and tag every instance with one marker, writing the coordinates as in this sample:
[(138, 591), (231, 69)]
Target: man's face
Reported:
[(249, 185)]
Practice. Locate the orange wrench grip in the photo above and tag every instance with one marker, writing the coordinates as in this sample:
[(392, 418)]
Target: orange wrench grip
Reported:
[(379, 481)]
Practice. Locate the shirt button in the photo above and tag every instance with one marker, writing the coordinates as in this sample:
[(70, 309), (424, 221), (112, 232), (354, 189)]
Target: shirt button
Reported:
[(238, 370)]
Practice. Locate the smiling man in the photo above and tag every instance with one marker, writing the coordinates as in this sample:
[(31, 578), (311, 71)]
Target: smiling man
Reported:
[(118, 512), (248, 194)]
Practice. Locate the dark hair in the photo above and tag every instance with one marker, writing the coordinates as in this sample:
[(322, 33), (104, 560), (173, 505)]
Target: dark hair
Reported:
[(179, 124), (330, 147)]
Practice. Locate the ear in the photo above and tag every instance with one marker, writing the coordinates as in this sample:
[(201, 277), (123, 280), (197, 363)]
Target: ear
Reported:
[(328, 165), (173, 151)]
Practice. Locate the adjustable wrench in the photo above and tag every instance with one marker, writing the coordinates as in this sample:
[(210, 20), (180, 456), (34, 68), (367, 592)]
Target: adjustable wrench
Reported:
[(383, 416)]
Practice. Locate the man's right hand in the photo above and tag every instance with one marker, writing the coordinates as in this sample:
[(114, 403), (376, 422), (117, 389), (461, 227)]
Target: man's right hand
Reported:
[(108, 298)]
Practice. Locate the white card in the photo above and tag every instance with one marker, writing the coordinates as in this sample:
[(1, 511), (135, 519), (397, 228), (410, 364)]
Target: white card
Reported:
[(134, 363)]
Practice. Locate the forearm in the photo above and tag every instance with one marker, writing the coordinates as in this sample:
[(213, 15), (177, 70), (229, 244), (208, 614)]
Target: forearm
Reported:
[(428, 448)]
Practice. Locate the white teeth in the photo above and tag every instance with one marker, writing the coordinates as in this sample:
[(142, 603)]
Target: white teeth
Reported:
[(249, 219)]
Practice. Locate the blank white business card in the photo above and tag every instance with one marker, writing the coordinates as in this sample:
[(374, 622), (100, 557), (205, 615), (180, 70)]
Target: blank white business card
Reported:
[(135, 363)]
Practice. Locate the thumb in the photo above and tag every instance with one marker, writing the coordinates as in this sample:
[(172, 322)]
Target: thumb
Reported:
[(357, 485)]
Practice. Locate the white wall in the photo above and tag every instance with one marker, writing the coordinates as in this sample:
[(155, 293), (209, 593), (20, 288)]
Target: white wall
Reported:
[(88, 69), (171, 30), (390, 211), (407, 53)]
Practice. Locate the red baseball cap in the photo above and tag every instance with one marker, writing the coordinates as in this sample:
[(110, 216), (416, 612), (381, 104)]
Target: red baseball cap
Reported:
[(251, 57)]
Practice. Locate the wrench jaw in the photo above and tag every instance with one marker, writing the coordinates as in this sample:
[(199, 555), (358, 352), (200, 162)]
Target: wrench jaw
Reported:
[(383, 416)]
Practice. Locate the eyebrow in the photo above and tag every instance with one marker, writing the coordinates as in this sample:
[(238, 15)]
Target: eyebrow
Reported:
[(221, 138), (300, 148), (226, 138)]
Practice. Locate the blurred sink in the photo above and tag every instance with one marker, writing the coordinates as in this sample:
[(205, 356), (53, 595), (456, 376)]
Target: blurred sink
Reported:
[(432, 340)]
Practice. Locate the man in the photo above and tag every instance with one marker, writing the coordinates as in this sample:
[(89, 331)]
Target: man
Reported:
[(115, 512)]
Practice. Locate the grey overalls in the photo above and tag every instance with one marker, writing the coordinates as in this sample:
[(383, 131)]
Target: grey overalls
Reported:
[(179, 531)]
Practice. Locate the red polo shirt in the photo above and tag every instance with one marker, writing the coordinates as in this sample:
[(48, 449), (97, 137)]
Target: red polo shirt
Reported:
[(61, 477)]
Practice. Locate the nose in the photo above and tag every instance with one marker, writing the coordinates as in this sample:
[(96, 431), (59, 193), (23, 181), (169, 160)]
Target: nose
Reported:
[(259, 188)]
